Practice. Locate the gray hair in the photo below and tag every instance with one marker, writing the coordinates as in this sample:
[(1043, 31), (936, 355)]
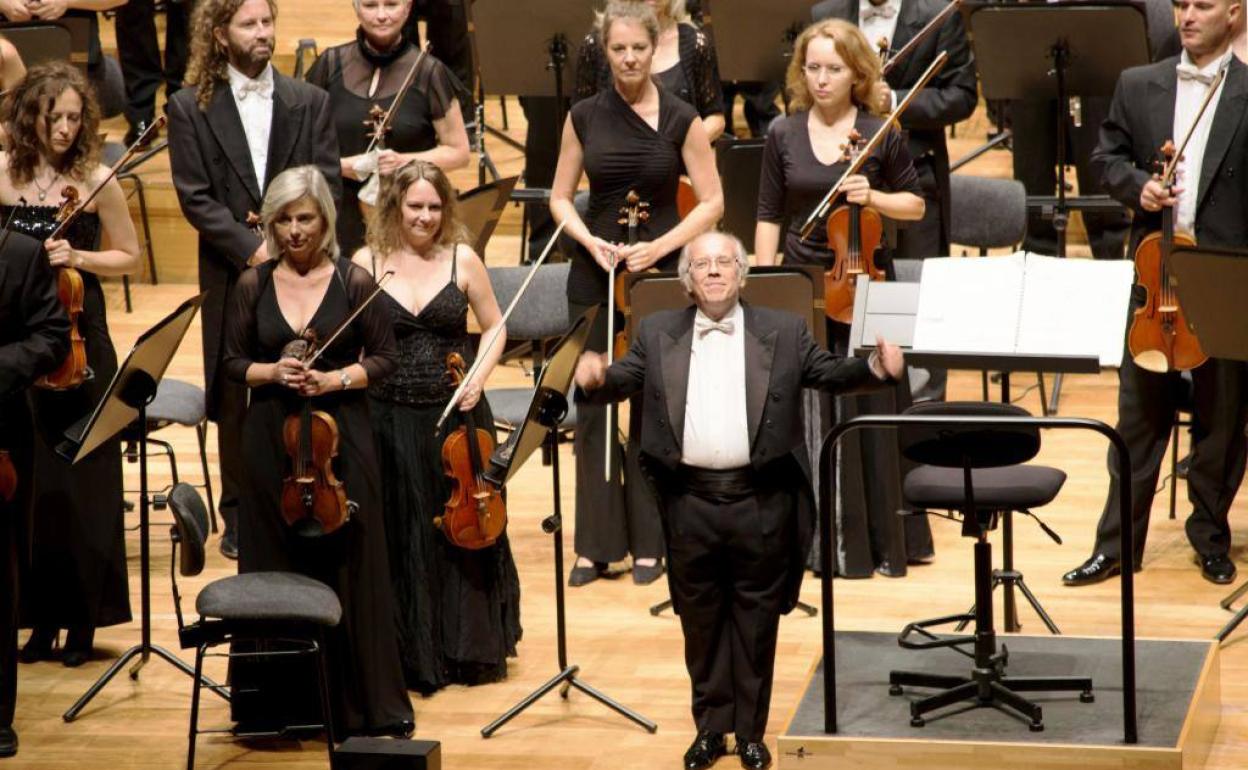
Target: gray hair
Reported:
[(356, 4), (686, 254), (632, 10), (290, 186)]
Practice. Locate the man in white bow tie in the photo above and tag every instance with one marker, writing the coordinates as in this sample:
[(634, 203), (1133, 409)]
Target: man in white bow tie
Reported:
[(236, 125), (722, 442)]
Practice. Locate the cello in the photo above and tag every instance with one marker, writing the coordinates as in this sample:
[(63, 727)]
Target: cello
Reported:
[(475, 515), (854, 235)]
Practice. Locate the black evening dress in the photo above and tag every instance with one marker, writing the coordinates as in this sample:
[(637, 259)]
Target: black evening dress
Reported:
[(347, 72), (622, 153), (458, 611), (870, 534), (78, 565), (365, 678)]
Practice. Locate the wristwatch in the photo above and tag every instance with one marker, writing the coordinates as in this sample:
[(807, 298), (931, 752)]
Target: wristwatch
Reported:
[(344, 378)]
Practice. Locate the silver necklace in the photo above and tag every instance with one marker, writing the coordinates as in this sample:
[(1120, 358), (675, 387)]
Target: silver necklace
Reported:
[(43, 191)]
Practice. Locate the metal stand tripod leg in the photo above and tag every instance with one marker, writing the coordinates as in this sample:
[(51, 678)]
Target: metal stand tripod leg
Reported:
[(666, 604), (1239, 616)]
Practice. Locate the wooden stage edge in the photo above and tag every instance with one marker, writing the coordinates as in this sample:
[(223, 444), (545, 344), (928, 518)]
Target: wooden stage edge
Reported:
[(1190, 752)]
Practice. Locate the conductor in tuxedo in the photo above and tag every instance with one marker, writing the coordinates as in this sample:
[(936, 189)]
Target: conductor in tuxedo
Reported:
[(237, 125), (34, 339), (949, 97), (721, 442), (1153, 104)]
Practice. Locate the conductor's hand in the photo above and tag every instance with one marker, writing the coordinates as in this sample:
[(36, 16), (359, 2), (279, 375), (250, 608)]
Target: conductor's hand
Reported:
[(857, 190), (1154, 197), (891, 357), (591, 371)]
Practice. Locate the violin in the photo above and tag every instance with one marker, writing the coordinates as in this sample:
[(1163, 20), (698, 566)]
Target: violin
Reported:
[(686, 198), (71, 293), (475, 515), (633, 213), (314, 501), (854, 235), (1159, 339), (8, 477), (378, 123)]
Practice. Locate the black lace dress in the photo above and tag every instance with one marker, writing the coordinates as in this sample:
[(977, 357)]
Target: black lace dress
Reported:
[(363, 657), (458, 610), (347, 73), (78, 563)]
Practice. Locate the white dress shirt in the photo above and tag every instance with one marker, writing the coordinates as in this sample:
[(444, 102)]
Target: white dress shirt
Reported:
[(717, 432), (254, 99), (875, 22), (1188, 96)]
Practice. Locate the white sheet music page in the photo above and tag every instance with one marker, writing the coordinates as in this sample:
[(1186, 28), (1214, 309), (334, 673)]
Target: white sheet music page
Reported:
[(1075, 307), (969, 304)]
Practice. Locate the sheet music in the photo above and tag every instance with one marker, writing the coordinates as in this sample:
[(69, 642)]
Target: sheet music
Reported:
[(969, 304), (1075, 307)]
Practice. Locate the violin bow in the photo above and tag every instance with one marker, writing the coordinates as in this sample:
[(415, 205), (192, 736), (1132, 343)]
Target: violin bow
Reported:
[(855, 166), (914, 42), (381, 283), (489, 344), (410, 78), (1173, 165), (144, 138)]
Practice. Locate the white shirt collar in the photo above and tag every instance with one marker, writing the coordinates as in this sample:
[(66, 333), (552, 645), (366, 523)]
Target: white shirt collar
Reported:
[(263, 81), (1209, 69), (734, 315)]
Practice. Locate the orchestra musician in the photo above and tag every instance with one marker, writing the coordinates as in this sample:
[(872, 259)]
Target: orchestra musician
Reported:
[(368, 73), (634, 136), (305, 286), (78, 578), (138, 50), (722, 439), (34, 339), (1208, 201), (458, 609), (222, 126), (950, 97), (832, 81), (684, 63)]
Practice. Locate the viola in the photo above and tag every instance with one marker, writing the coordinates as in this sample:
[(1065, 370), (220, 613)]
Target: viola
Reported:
[(854, 235), (1159, 339), (71, 293), (475, 515), (8, 477)]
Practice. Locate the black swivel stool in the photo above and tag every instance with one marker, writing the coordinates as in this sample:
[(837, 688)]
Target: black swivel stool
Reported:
[(978, 472)]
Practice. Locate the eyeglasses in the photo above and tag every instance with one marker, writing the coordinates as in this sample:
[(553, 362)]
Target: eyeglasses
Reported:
[(814, 70), (703, 264)]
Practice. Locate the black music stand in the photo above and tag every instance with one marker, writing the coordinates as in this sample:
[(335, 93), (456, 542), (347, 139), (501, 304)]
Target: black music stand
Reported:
[(1212, 284), (132, 389), (541, 429), (753, 40)]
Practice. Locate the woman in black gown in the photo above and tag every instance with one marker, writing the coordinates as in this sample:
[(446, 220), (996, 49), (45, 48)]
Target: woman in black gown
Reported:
[(830, 79), (307, 287), (684, 63), (367, 73), (78, 574), (458, 610), (633, 136)]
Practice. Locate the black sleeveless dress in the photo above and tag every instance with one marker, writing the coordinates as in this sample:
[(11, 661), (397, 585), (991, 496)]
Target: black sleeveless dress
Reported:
[(78, 565), (458, 611), (363, 656)]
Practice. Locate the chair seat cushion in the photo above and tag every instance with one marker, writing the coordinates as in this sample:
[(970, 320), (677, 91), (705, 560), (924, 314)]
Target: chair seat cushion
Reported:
[(177, 401), (1010, 487), (511, 405), (269, 596)]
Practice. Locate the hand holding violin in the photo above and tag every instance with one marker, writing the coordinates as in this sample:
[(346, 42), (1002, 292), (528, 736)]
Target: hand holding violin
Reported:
[(603, 252), (640, 256), (289, 372), (61, 254), (389, 161), (470, 397), (316, 383), (857, 190), (1154, 197)]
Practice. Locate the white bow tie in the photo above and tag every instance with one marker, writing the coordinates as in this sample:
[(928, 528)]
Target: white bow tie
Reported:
[(704, 326), (261, 88), (885, 11), (1189, 72)]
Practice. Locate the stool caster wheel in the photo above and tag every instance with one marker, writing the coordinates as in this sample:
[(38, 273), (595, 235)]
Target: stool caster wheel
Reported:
[(917, 721), (1036, 726), (1087, 697), (894, 689)]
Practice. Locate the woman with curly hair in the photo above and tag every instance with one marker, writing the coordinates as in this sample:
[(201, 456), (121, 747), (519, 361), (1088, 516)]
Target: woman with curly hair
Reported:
[(78, 578)]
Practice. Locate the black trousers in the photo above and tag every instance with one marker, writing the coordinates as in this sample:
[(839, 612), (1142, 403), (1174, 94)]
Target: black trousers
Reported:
[(621, 516), (921, 239), (232, 409), (1146, 414), (728, 564), (9, 554), (139, 52), (447, 25)]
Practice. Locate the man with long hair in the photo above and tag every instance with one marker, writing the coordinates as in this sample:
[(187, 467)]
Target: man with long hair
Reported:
[(236, 125)]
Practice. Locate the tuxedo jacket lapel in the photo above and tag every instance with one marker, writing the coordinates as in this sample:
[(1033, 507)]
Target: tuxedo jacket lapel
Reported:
[(1161, 95), (227, 127), (1226, 122), (908, 25), (677, 347), (288, 117), (760, 350)]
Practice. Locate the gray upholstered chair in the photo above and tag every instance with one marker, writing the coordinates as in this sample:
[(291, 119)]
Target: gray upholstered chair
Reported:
[(986, 213), (255, 606), (541, 316), (180, 403)]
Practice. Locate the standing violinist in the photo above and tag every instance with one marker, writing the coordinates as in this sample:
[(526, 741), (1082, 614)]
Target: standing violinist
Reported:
[(236, 126), (306, 287), (633, 136), (78, 578), (832, 81), (1208, 201), (458, 609)]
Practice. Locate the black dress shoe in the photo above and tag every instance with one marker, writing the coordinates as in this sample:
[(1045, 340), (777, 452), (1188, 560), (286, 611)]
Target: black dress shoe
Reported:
[(229, 545), (1217, 568), (704, 750), (78, 643), (8, 741), (580, 576), (1094, 570), (39, 646), (644, 575), (754, 755)]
